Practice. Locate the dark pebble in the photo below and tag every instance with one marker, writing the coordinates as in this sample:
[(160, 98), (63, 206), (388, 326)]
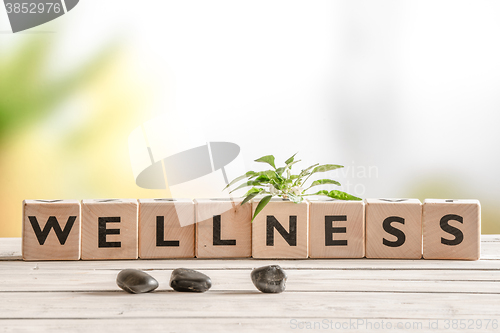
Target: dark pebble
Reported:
[(269, 279), (183, 279), (135, 281)]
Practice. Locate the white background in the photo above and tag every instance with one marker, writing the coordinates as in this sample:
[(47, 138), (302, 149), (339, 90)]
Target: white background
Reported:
[(409, 87)]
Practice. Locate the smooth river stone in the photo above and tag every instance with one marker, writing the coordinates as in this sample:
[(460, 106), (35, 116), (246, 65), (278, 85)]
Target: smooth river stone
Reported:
[(269, 279), (135, 281), (183, 279)]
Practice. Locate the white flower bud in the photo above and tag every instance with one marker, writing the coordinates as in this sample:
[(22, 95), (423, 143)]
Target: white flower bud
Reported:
[(297, 190)]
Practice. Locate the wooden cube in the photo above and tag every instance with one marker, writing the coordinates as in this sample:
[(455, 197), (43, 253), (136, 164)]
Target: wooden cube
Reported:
[(336, 228), (166, 228), (280, 230), (109, 229), (393, 228), (223, 228), (452, 229), (51, 230)]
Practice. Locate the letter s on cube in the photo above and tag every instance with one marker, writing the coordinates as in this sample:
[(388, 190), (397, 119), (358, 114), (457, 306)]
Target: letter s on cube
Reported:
[(452, 229)]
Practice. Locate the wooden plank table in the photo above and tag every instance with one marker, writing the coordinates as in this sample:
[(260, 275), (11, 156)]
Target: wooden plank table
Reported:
[(361, 295)]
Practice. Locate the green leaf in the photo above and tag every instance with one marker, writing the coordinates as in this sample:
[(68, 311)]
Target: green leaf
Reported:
[(278, 177), (262, 178), (254, 176), (251, 196), (290, 160), (324, 181), (336, 195), (237, 179), (253, 190), (322, 192), (261, 205), (249, 183), (304, 171), (280, 170), (268, 173), (278, 184), (289, 165), (269, 159), (326, 167), (294, 176), (342, 195)]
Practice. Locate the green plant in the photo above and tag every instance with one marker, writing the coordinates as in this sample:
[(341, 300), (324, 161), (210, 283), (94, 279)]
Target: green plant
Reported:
[(280, 182)]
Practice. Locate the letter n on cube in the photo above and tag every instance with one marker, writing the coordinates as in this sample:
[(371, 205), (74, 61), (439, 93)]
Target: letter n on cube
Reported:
[(280, 230)]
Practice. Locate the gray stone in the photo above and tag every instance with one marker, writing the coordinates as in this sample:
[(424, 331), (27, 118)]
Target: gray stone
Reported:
[(183, 279), (269, 279), (135, 281)]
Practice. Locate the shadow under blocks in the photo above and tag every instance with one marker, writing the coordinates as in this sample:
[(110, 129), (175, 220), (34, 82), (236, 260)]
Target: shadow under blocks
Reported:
[(104, 229)]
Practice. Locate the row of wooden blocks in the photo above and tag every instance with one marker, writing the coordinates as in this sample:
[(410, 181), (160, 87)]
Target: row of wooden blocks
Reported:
[(223, 228)]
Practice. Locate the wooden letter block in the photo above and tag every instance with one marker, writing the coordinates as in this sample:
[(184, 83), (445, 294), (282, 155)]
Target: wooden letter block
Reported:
[(452, 229), (51, 230), (223, 228), (280, 230), (336, 229), (394, 228), (166, 228), (109, 229)]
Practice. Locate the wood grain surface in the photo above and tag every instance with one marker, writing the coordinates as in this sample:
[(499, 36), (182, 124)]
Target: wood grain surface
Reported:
[(336, 229), (452, 229), (223, 228), (393, 228), (109, 229), (175, 219), (292, 218)]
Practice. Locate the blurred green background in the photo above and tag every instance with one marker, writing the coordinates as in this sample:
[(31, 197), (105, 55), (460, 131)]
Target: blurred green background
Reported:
[(409, 88), (65, 136)]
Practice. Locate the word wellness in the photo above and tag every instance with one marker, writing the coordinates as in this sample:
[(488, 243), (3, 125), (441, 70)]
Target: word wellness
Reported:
[(223, 228)]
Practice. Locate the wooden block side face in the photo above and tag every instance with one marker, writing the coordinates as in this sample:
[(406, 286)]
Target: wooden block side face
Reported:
[(160, 232), (281, 230), (452, 229), (394, 229), (226, 235), (109, 229), (336, 229), (51, 230)]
